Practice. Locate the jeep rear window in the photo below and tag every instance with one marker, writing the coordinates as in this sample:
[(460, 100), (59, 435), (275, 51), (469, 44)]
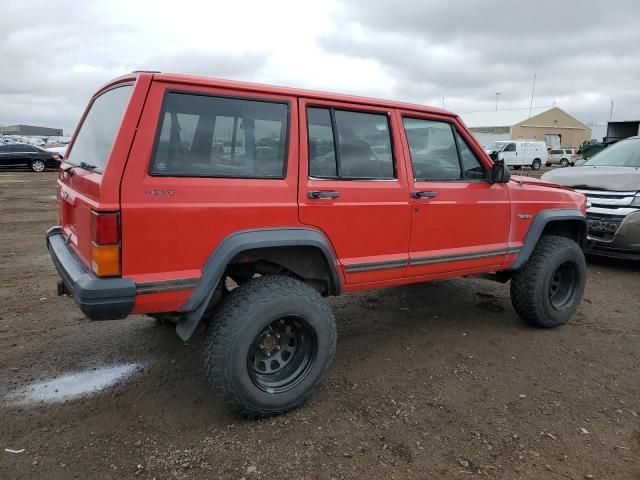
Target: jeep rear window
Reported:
[(97, 133), (210, 136)]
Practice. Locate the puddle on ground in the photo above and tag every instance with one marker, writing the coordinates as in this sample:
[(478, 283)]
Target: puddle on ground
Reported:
[(73, 385)]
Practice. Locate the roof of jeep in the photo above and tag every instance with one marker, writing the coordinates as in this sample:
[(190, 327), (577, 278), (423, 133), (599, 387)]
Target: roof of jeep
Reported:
[(280, 90)]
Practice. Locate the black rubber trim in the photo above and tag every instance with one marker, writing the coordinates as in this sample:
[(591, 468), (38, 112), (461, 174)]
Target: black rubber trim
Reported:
[(541, 220), (593, 248), (98, 298), (367, 267), (166, 285), (461, 256), (214, 268)]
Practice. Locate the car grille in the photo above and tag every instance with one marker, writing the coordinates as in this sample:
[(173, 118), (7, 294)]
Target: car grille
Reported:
[(607, 210)]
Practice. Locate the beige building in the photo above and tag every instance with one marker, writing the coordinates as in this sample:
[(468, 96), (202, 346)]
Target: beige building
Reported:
[(552, 125)]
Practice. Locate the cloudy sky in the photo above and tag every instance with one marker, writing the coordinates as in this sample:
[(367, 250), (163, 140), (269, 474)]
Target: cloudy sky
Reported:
[(54, 54)]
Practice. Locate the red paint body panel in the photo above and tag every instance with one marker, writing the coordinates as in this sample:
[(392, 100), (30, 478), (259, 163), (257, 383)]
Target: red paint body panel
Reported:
[(170, 236)]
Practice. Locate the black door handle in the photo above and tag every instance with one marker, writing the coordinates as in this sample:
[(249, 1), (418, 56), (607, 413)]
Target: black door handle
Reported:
[(318, 195), (424, 194)]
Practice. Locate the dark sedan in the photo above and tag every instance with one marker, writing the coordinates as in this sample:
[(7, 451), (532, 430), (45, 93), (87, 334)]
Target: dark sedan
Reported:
[(22, 155)]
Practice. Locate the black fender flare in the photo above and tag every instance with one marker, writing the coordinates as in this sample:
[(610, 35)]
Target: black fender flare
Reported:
[(541, 220), (213, 269)]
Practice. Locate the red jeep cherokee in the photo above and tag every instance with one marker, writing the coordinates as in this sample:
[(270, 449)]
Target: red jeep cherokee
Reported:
[(177, 188)]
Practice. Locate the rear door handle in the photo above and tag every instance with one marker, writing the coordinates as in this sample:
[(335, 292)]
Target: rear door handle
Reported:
[(424, 194), (319, 195)]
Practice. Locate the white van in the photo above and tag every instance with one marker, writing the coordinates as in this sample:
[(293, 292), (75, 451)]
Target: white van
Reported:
[(520, 153)]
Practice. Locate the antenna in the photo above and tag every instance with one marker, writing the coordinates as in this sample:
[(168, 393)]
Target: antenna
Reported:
[(497, 95), (532, 92), (611, 112)]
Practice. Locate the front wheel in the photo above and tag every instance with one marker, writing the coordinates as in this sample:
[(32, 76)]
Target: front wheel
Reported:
[(536, 164), (38, 166), (548, 289), (269, 345), (564, 162)]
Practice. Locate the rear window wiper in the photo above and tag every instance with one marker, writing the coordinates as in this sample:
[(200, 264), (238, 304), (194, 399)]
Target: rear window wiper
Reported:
[(83, 165)]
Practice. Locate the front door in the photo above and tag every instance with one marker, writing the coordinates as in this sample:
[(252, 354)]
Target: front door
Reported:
[(460, 221), (353, 187)]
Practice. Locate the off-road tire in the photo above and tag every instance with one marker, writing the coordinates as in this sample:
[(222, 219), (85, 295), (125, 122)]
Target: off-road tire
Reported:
[(232, 332), (38, 166), (530, 286), (535, 165)]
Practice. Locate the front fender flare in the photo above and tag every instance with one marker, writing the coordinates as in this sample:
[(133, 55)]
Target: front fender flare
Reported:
[(541, 220)]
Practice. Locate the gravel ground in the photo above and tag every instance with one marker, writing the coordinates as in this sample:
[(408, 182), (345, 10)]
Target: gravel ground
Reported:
[(434, 381)]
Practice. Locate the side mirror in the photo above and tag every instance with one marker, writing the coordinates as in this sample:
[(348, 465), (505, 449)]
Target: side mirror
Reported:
[(500, 173)]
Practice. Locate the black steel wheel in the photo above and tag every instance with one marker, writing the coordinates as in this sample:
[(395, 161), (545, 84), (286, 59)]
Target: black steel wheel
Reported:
[(282, 354), (535, 165), (563, 285), (269, 345), (547, 290)]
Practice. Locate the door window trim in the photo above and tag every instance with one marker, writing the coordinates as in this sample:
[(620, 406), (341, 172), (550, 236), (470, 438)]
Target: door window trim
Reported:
[(454, 131), (332, 108)]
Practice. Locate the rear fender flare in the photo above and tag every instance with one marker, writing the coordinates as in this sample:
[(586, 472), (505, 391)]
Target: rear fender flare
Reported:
[(215, 266)]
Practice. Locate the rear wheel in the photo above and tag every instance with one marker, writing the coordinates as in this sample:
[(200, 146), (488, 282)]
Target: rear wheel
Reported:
[(38, 166), (564, 162), (536, 164), (269, 345), (548, 289)]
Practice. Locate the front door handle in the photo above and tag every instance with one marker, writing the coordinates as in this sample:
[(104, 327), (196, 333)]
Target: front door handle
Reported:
[(319, 195), (423, 194)]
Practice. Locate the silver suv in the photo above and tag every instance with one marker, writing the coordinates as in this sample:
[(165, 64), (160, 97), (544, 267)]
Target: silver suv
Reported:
[(562, 156), (611, 182)]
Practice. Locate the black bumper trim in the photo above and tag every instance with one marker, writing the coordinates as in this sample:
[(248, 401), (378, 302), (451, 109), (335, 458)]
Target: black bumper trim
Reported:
[(98, 298)]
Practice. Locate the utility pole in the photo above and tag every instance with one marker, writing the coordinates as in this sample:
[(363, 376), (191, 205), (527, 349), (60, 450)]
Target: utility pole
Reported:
[(443, 103), (497, 96)]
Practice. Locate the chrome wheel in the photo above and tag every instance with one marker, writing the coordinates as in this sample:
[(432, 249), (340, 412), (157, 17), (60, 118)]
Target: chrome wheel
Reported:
[(38, 166)]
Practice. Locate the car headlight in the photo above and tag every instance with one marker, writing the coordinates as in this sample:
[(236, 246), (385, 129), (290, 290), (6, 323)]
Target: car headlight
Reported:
[(636, 201)]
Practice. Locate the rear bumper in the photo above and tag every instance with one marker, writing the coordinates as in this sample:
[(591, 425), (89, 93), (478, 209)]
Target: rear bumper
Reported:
[(98, 298)]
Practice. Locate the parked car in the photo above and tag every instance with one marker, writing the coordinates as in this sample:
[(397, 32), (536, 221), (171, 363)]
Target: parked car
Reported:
[(519, 153), (60, 150), (22, 155), (155, 220), (562, 156), (611, 181)]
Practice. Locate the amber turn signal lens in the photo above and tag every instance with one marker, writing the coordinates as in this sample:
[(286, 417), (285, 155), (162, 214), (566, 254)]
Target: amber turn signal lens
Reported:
[(105, 260)]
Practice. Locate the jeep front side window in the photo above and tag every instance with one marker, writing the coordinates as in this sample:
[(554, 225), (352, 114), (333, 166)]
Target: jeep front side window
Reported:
[(207, 136), (434, 155)]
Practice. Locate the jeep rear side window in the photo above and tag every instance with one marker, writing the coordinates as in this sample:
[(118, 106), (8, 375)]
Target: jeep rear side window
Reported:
[(207, 136), (349, 145), (434, 155)]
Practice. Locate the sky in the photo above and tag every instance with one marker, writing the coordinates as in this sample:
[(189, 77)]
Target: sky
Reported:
[(584, 54)]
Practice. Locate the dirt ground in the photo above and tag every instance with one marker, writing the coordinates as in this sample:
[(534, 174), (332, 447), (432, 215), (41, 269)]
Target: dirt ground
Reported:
[(433, 381)]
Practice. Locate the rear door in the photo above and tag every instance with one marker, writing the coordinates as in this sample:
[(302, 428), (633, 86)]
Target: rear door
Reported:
[(460, 221), (89, 178), (207, 162), (353, 187)]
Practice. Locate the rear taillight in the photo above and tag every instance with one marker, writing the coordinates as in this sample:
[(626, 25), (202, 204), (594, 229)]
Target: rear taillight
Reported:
[(105, 244)]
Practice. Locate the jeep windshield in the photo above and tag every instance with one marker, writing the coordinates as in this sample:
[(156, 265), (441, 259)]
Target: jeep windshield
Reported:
[(625, 153), (94, 140)]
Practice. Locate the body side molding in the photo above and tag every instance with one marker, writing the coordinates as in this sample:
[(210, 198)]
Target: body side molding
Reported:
[(214, 267), (541, 220)]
